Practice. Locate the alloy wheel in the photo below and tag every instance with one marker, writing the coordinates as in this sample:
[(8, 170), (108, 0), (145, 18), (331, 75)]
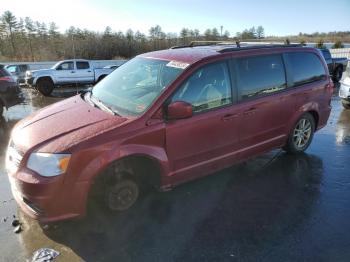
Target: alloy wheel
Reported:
[(302, 133)]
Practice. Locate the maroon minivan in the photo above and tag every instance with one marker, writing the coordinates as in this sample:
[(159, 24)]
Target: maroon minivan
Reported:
[(165, 118)]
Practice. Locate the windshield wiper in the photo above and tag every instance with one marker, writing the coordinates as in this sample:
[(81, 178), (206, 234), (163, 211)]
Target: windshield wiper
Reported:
[(101, 105)]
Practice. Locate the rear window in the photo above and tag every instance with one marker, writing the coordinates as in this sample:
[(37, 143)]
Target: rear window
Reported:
[(23, 68), (82, 65), (4, 72), (305, 68), (260, 75)]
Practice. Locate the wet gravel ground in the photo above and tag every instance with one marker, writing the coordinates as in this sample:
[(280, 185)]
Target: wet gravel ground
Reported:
[(276, 207)]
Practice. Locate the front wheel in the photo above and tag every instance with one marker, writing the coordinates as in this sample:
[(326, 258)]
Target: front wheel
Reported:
[(301, 136), (122, 195), (45, 87)]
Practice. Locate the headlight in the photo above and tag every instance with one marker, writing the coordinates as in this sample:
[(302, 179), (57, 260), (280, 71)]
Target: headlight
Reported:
[(48, 165)]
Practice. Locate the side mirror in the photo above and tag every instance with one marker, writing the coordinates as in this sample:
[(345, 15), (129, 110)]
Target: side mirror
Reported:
[(179, 110)]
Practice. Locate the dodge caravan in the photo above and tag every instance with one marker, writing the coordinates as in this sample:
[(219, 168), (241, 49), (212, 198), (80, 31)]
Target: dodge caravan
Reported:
[(164, 118)]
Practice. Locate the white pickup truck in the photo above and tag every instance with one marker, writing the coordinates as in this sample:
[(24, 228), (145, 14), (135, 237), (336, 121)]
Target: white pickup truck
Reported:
[(67, 72)]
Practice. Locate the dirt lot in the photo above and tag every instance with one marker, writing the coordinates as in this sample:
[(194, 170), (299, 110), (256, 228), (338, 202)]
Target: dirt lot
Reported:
[(276, 207)]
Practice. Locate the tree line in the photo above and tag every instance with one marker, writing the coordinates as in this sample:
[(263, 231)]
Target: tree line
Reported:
[(23, 39)]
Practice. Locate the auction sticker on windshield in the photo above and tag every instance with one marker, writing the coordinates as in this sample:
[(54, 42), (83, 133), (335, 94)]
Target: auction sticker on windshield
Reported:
[(177, 64)]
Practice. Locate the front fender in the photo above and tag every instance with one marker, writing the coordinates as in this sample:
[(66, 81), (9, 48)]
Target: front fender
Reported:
[(36, 78), (98, 164)]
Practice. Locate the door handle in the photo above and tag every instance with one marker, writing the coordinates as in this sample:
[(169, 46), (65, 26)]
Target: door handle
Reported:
[(89, 71), (72, 72), (250, 111), (229, 117)]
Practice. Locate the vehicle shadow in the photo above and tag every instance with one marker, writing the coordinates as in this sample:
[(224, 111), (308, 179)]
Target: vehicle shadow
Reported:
[(237, 212)]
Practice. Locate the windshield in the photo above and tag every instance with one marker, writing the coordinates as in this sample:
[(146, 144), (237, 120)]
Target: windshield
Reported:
[(55, 65), (133, 87)]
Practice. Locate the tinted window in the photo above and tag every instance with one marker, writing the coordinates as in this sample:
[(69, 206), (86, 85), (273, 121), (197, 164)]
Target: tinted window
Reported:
[(209, 87), (305, 68), (23, 68), (83, 65), (4, 72), (66, 66), (260, 75)]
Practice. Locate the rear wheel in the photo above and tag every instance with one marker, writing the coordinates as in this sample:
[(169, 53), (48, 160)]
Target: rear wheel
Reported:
[(45, 87), (346, 105), (301, 135), (338, 73)]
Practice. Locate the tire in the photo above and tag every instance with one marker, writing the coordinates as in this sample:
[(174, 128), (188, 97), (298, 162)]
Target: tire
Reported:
[(122, 195), (45, 87), (301, 135), (100, 78), (346, 105), (338, 74)]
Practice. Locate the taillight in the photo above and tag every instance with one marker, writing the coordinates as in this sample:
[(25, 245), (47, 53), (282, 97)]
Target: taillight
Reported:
[(7, 79)]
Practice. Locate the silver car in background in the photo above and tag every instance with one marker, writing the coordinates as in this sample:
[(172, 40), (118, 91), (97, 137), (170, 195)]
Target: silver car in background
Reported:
[(344, 92)]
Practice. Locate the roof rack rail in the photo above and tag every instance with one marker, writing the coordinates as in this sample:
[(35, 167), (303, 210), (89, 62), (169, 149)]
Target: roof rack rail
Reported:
[(207, 43), (230, 49)]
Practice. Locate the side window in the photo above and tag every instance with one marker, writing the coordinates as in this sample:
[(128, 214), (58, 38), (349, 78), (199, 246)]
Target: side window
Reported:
[(260, 75), (12, 69), (209, 87), (66, 66), (305, 68), (83, 65)]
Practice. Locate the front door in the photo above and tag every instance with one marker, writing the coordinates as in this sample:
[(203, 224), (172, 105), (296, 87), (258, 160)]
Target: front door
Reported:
[(209, 139), (65, 72)]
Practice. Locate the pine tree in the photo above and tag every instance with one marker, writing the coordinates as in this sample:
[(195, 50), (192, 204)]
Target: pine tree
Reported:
[(11, 25)]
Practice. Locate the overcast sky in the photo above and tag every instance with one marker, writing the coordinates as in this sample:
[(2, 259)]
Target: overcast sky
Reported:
[(278, 17)]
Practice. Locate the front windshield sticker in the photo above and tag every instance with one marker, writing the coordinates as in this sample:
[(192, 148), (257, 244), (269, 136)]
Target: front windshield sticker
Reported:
[(177, 64)]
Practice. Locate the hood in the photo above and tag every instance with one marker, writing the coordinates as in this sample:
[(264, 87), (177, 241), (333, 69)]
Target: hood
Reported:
[(41, 70), (62, 125)]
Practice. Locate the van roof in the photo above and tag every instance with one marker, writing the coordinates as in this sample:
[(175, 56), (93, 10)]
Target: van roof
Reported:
[(191, 53)]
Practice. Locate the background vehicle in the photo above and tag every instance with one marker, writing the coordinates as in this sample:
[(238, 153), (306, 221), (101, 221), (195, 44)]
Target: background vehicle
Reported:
[(111, 67), (336, 66), (344, 92), (10, 93), (18, 72), (67, 72)]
